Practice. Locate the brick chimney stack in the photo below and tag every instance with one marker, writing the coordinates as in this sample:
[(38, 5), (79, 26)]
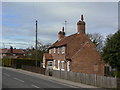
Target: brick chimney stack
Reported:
[(81, 26), (61, 34)]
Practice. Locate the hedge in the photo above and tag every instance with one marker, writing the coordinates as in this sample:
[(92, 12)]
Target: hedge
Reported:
[(17, 63), (6, 62)]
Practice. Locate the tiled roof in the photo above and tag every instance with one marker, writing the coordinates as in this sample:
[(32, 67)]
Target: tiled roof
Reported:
[(64, 41), (16, 51), (48, 56), (80, 39), (3, 50)]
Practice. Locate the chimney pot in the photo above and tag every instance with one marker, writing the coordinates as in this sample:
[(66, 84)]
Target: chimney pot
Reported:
[(63, 29), (82, 18)]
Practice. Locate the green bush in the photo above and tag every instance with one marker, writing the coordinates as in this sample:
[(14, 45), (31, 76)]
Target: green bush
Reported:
[(0, 62), (117, 73), (17, 63), (6, 62)]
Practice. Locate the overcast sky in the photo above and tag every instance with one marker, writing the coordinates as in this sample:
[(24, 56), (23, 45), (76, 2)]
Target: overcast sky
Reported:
[(18, 20)]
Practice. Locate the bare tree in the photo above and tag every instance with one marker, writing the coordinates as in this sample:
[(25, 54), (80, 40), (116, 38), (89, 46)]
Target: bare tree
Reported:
[(43, 47), (97, 39)]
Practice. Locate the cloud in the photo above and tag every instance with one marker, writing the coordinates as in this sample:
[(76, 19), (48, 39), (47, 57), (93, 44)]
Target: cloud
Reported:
[(18, 19), (62, 1)]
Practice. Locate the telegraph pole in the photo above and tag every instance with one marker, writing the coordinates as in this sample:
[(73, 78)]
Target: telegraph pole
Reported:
[(36, 44)]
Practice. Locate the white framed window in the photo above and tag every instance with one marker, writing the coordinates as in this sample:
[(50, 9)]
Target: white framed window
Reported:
[(50, 63), (44, 62), (4, 55), (68, 65), (58, 64), (63, 50), (49, 51), (54, 64), (58, 50), (54, 50), (62, 65), (14, 54), (30, 54)]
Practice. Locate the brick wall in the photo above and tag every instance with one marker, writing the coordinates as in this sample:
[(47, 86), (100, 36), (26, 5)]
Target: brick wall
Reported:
[(58, 56), (86, 59)]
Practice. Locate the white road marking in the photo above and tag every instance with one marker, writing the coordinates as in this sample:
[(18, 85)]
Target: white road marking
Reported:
[(35, 86), (7, 74), (19, 79), (61, 83)]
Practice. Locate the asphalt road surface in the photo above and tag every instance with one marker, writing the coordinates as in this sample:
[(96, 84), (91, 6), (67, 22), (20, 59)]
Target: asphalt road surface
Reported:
[(13, 79)]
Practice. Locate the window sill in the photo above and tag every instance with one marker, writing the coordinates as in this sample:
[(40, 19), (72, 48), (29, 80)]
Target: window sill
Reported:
[(63, 53), (63, 69)]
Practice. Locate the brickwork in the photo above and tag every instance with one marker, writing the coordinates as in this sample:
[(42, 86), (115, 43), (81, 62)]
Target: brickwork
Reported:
[(88, 60)]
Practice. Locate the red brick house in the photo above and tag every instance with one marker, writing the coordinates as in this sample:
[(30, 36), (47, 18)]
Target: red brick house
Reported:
[(12, 53), (75, 53)]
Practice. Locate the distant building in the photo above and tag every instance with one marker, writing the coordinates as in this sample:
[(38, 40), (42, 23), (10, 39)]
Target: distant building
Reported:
[(76, 53), (12, 53)]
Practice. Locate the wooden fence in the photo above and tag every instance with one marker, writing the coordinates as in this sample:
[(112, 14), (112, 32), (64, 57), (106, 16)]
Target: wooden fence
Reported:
[(90, 79)]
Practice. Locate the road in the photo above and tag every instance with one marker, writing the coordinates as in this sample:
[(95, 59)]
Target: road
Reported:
[(14, 79)]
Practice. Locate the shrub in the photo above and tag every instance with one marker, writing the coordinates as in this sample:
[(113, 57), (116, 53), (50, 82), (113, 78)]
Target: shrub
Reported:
[(6, 62), (117, 74)]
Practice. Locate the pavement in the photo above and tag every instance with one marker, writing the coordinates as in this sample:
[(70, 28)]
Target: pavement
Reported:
[(40, 81)]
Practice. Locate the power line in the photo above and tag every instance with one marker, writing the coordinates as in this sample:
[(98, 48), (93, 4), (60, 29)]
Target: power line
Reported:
[(16, 43)]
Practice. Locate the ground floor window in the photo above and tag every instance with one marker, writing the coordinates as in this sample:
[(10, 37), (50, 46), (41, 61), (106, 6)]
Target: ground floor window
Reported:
[(107, 70), (68, 65), (54, 64), (58, 64), (62, 65), (50, 63)]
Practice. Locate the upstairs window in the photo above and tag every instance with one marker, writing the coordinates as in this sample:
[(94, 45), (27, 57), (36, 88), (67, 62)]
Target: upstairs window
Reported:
[(63, 50), (54, 50), (49, 51), (58, 50)]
